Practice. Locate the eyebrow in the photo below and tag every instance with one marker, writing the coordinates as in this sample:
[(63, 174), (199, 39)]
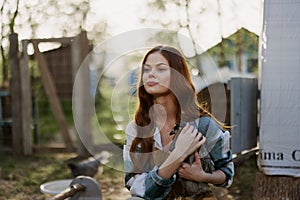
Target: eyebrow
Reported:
[(158, 64)]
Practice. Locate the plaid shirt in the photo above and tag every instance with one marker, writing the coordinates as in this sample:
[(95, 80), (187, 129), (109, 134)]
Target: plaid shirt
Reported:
[(150, 185)]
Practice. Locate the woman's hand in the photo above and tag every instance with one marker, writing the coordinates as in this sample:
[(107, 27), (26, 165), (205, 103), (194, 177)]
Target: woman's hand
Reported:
[(188, 141), (193, 172)]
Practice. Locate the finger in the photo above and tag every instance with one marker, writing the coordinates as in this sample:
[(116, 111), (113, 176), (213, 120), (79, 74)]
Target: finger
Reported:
[(199, 136), (184, 165), (190, 130), (195, 132), (197, 157), (185, 128), (180, 172), (202, 141)]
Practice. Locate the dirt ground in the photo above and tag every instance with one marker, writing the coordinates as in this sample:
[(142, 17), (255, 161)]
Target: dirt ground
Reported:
[(21, 177)]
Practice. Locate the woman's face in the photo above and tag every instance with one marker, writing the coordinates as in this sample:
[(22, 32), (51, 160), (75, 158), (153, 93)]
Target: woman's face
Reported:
[(156, 76)]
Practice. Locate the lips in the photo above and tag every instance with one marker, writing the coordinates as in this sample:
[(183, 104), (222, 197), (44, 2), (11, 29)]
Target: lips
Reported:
[(151, 83)]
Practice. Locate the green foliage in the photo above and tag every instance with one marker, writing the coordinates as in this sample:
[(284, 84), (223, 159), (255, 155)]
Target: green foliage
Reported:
[(159, 4), (241, 42), (48, 130), (167, 37), (107, 119), (248, 40)]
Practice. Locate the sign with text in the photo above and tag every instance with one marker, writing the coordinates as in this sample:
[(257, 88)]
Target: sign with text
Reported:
[(280, 89)]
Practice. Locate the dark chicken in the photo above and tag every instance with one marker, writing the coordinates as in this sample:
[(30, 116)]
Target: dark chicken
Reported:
[(186, 188), (89, 166)]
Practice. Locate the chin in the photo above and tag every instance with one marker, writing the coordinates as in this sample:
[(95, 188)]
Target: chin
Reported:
[(157, 93)]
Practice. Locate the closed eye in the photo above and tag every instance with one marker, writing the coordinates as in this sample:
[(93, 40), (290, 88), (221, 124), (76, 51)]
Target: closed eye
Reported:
[(161, 69), (147, 69)]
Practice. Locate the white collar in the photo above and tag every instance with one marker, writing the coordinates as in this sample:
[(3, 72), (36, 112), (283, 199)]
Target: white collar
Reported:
[(157, 138)]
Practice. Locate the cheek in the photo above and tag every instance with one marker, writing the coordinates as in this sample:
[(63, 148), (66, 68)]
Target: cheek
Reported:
[(144, 78), (166, 80)]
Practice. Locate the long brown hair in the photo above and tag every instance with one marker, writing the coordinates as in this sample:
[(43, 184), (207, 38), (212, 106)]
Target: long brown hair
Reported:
[(183, 94)]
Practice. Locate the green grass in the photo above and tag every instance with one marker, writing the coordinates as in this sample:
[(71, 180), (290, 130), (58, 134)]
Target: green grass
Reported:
[(244, 179), (21, 177)]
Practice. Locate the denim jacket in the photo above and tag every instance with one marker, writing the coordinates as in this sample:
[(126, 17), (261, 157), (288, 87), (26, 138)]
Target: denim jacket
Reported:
[(149, 185)]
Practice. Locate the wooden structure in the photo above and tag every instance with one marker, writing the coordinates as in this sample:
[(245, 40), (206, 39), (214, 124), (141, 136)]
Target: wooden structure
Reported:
[(51, 93), (20, 99), (82, 100), (21, 91), (60, 66), (244, 113)]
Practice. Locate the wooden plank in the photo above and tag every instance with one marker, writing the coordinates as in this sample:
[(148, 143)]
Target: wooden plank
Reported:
[(82, 101), (50, 90), (249, 122), (26, 103), (16, 98), (64, 40), (235, 115), (70, 192), (244, 156), (243, 113)]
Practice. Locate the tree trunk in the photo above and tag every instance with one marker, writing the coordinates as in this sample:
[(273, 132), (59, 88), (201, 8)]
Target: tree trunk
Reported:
[(276, 187)]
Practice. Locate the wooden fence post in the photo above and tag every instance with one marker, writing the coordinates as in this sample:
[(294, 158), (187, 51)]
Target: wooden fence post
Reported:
[(21, 100), (82, 100)]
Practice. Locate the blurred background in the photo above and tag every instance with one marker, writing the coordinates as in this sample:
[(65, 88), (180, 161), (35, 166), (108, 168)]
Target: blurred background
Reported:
[(47, 45), (220, 36)]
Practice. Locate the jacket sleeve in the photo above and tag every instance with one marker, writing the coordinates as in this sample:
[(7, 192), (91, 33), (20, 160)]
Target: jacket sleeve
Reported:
[(218, 145), (156, 186)]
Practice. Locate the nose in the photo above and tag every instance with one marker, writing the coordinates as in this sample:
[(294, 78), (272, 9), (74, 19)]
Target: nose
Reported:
[(152, 72)]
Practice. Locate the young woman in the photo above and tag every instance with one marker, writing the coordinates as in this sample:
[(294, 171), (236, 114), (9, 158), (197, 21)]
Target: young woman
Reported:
[(167, 97)]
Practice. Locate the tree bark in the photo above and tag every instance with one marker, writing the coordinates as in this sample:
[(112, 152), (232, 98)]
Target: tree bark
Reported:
[(276, 187)]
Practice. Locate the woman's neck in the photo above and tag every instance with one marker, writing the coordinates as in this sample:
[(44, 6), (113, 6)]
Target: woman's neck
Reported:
[(165, 109), (165, 113)]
